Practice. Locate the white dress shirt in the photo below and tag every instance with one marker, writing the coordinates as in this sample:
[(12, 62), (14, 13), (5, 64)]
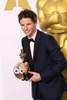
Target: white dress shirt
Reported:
[(32, 44)]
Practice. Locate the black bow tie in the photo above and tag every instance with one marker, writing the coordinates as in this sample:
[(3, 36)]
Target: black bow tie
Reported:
[(31, 40)]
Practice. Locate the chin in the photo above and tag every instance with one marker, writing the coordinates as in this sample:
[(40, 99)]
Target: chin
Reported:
[(27, 35)]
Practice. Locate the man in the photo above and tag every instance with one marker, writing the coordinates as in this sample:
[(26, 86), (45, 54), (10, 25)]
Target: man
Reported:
[(44, 59)]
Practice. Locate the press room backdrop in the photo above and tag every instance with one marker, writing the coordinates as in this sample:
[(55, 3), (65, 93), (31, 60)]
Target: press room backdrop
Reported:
[(12, 88)]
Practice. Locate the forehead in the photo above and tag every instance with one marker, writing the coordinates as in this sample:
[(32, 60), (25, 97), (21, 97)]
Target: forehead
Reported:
[(26, 20)]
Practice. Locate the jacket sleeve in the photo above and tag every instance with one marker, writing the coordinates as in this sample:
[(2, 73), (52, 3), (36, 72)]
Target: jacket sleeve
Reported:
[(59, 60), (22, 43)]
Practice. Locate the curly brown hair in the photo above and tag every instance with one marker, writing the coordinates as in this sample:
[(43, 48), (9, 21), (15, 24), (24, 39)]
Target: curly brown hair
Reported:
[(27, 14)]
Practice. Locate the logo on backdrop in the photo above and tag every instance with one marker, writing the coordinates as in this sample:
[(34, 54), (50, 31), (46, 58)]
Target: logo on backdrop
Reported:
[(10, 4)]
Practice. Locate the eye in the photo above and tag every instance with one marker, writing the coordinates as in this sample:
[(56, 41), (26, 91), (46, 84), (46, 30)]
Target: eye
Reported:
[(22, 24), (29, 24)]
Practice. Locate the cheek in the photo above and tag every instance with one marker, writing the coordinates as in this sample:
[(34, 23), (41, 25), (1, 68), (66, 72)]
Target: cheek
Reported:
[(32, 28), (22, 28)]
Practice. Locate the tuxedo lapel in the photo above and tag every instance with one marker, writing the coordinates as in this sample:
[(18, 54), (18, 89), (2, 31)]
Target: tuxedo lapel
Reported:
[(36, 48), (37, 43), (27, 51)]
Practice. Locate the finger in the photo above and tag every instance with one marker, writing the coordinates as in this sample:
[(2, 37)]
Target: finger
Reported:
[(31, 72), (30, 79)]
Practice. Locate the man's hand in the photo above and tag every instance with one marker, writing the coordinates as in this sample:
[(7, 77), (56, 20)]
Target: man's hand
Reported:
[(24, 66), (35, 78)]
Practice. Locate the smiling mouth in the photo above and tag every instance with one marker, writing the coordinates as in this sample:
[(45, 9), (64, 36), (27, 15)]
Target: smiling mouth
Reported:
[(26, 31)]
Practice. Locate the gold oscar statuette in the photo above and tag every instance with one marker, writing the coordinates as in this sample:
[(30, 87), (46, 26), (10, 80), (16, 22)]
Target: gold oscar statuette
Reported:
[(52, 16), (18, 72)]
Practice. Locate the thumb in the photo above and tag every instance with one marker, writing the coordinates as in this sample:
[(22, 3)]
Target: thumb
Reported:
[(26, 64)]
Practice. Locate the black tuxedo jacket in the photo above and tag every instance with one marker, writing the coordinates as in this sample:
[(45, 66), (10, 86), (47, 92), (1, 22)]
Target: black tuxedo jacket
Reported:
[(49, 62)]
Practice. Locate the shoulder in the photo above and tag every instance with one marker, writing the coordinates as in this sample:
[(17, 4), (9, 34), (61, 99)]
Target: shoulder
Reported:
[(46, 36), (24, 38), (47, 39)]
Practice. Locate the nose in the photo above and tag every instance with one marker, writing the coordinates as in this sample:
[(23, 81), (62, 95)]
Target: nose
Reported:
[(25, 27)]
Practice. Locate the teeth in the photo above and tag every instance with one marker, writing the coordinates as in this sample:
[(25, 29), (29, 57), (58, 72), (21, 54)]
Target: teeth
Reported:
[(26, 31)]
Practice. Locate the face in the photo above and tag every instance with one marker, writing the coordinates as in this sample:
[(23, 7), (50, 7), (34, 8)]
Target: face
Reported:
[(28, 26)]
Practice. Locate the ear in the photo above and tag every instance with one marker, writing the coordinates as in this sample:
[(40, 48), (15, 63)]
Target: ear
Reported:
[(36, 23)]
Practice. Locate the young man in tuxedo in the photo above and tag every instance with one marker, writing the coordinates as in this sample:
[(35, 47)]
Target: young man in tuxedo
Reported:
[(44, 59)]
